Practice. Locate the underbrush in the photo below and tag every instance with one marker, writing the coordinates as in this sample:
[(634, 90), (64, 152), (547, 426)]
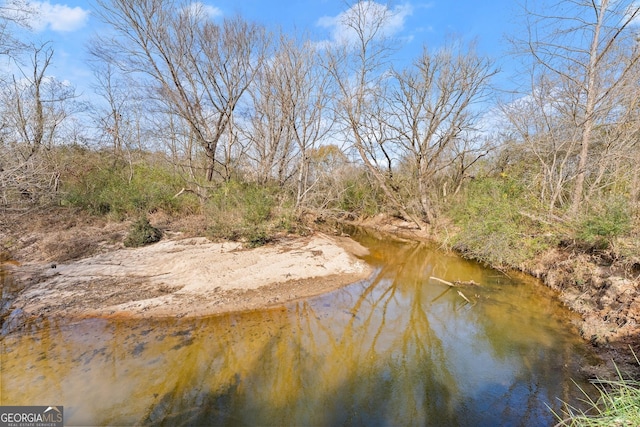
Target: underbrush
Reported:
[(358, 196), (120, 189), (247, 212), (235, 210), (497, 223), (605, 222), (500, 224)]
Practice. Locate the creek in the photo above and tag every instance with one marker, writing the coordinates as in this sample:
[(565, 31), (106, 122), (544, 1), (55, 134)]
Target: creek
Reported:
[(399, 348)]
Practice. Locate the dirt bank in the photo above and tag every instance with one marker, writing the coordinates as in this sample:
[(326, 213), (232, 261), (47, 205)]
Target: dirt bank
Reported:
[(605, 291), (178, 276)]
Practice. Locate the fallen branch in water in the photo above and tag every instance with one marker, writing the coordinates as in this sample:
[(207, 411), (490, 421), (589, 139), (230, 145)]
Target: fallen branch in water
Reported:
[(453, 285), (456, 283), (442, 281), (467, 283), (464, 297)]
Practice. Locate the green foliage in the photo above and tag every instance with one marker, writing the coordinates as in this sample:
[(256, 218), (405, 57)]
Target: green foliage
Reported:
[(492, 227), (289, 222), (142, 233), (120, 189), (603, 223), (258, 237), (359, 196), (257, 204), (248, 212)]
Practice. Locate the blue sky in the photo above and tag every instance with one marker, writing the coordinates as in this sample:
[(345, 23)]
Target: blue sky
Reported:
[(70, 24)]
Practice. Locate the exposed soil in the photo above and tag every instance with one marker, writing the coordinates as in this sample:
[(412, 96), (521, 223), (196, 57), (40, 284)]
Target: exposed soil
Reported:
[(606, 292), (65, 264)]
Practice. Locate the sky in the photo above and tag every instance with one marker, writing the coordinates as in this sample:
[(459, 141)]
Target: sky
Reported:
[(70, 24)]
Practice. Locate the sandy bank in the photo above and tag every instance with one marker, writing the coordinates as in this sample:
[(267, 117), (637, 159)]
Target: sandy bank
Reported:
[(190, 277)]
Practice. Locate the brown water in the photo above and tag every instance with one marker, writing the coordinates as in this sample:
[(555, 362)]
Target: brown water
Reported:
[(396, 349)]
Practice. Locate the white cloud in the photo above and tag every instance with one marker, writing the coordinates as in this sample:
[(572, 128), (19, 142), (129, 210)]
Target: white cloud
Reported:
[(375, 18), (201, 9), (57, 17)]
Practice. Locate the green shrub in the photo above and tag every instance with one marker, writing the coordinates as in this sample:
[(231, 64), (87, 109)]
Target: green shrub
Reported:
[(258, 203), (142, 233), (359, 197), (492, 227), (120, 189), (603, 223), (248, 212), (258, 237), (290, 222)]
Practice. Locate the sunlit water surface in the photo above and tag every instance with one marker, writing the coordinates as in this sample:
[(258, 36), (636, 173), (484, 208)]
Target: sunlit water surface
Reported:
[(396, 349)]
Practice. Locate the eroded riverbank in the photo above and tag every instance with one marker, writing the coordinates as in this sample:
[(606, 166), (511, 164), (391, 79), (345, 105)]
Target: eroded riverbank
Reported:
[(604, 291)]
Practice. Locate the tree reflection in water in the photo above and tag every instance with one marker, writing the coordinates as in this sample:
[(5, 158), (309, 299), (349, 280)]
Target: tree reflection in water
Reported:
[(396, 349)]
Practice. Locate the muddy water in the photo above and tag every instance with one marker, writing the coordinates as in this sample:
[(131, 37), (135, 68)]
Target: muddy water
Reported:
[(396, 349)]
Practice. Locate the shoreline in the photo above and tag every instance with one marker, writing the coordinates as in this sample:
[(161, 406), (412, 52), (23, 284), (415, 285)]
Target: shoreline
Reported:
[(602, 292), (190, 277), (64, 240)]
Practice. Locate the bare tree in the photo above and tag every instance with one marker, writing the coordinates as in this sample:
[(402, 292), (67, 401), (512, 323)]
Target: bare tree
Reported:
[(35, 107), (432, 117), (422, 118), (629, 157), (197, 69), (290, 99), (311, 119), (590, 48), (545, 134), (358, 65), (116, 101), (269, 131), (36, 104), (13, 13)]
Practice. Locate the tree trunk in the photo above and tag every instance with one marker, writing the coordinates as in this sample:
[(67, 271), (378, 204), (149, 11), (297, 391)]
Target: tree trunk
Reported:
[(383, 185), (587, 127)]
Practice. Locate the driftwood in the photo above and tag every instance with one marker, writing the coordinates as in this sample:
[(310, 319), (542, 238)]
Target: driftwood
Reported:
[(442, 281), (464, 297), (466, 283), (456, 283)]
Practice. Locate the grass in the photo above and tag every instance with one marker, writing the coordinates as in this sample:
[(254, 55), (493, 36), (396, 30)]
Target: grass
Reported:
[(618, 404)]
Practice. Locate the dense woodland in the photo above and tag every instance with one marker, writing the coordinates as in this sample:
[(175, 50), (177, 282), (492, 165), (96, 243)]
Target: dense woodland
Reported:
[(252, 127)]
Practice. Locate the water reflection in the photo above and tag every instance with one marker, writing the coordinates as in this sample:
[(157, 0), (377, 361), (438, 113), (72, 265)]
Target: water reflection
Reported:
[(397, 349)]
